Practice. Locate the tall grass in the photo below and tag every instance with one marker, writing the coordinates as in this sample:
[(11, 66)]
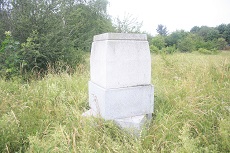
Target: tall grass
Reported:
[(192, 111)]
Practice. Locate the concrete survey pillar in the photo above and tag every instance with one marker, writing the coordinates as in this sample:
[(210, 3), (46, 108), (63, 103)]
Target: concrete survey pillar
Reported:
[(120, 79)]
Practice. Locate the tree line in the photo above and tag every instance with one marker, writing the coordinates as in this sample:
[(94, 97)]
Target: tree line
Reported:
[(37, 34), (204, 39)]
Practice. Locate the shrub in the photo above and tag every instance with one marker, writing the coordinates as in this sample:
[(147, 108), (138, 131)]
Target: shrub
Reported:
[(10, 62), (35, 55), (220, 43), (159, 41), (165, 50), (30, 55), (205, 51), (186, 45), (171, 49), (154, 49)]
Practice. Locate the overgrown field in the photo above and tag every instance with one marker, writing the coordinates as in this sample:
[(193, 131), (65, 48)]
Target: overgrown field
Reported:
[(192, 111)]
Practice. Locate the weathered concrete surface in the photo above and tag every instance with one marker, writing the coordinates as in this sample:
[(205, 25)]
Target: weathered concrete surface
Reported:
[(121, 102), (120, 63)]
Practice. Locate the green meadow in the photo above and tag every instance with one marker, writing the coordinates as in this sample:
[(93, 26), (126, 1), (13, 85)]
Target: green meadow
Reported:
[(191, 110)]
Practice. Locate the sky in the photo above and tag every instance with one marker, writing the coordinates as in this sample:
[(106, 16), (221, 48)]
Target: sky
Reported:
[(174, 14)]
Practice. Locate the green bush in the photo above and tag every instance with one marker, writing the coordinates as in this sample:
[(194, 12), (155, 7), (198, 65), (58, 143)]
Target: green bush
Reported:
[(158, 41), (10, 62), (187, 44), (35, 59), (170, 49), (31, 57), (207, 52), (165, 50), (154, 49), (220, 43)]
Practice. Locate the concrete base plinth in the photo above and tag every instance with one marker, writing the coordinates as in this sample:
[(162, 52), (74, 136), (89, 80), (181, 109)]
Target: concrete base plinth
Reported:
[(132, 125), (89, 113), (121, 102)]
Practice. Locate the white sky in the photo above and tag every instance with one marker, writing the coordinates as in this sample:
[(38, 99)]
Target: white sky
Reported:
[(174, 14)]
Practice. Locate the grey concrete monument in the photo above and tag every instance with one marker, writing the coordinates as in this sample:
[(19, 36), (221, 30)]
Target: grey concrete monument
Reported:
[(120, 79)]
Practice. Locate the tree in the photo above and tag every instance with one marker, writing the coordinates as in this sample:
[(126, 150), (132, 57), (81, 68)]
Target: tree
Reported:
[(226, 33), (158, 41), (222, 28), (220, 43), (162, 30), (5, 7), (9, 60), (187, 44), (61, 29), (128, 24), (174, 37), (208, 33), (195, 29), (84, 21)]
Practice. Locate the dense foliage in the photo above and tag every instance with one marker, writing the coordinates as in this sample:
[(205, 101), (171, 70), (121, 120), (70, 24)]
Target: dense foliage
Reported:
[(206, 38), (44, 32), (191, 111)]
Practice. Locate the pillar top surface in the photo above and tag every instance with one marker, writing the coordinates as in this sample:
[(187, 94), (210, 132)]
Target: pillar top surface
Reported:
[(120, 36)]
